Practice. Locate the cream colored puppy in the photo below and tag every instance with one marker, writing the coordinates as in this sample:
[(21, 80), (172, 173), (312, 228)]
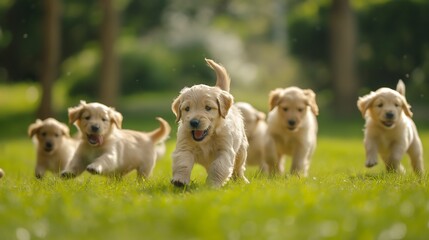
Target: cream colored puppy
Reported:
[(389, 129), (211, 133), (293, 127), (256, 132), (55, 147), (106, 149)]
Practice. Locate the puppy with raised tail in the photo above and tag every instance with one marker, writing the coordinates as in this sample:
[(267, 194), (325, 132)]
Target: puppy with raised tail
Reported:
[(389, 130), (211, 132), (106, 148), (55, 147), (257, 135), (293, 127)]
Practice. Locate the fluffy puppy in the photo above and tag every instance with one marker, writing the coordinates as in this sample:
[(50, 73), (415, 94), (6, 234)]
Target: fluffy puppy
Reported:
[(256, 132), (108, 150), (389, 129), (293, 127), (211, 132), (55, 147)]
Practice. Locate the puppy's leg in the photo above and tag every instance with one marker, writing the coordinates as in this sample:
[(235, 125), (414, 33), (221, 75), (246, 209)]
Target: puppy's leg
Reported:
[(40, 171), (300, 162), (371, 152), (183, 162), (146, 168), (221, 169), (416, 156), (240, 165), (393, 160), (274, 160), (75, 167), (105, 164)]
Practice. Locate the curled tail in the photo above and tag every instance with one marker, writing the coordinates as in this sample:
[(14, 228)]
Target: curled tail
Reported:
[(160, 134), (222, 78)]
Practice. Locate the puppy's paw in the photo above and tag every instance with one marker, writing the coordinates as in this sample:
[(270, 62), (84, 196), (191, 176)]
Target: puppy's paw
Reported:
[(94, 169), (67, 175), (370, 163), (177, 183)]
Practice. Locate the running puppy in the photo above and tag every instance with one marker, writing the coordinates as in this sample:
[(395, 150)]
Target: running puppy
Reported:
[(211, 132), (257, 134), (55, 147), (108, 150), (389, 129), (293, 127)]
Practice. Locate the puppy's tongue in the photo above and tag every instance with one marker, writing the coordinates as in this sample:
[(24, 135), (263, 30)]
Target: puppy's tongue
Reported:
[(95, 139), (198, 134)]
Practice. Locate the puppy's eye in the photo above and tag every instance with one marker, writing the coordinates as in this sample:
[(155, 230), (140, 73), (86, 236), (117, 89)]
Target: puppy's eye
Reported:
[(88, 117), (285, 109), (104, 119), (57, 135), (208, 108), (187, 109), (300, 109), (44, 134), (396, 105), (380, 105)]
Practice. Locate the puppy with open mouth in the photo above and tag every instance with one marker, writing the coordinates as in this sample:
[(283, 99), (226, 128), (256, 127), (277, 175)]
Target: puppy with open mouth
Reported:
[(55, 147), (389, 129), (211, 132), (106, 148), (292, 125)]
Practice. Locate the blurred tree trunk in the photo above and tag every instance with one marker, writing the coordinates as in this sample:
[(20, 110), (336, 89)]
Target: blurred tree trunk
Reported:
[(51, 54), (109, 78), (343, 43)]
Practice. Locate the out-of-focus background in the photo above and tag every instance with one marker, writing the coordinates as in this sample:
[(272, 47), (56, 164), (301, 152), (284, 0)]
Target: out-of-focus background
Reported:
[(116, 52)]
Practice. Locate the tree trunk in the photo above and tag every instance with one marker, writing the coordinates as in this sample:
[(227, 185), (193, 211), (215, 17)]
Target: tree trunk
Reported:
[(343, 43), (109, 78), (51, 54)]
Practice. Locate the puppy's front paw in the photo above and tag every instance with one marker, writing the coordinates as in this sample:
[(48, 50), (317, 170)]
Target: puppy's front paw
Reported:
[(177, 183), (94, 169), (370, 163), (67, 175)]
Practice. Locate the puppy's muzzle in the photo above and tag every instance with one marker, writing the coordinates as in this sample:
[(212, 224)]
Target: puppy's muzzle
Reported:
[(197, 134), (94, 138), (291, 124), (48, 146), (389, 119)]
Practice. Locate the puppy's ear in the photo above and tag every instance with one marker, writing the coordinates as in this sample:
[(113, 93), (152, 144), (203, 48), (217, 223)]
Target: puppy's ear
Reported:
[(311, 97), (224, 102), (75, 112), (116, 117), (400, 87), (175, 107), (34, 127), (274, 97), (65, 129), (406, 107), (365, 102), (260, 116)]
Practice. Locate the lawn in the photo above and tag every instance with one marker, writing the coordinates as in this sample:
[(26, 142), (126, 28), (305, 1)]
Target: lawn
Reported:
[(340, 200)]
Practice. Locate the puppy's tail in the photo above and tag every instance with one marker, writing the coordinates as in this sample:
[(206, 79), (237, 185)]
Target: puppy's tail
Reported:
[(401, 87), (222, 78), (161, 134)]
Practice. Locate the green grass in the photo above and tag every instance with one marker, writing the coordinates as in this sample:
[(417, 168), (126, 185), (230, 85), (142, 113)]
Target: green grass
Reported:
[(340, 200)]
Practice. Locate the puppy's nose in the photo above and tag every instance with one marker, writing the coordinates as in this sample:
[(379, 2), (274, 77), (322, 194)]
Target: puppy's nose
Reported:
[(291, 122), (194, 123), (48, 145), (95, 128), (390, 115)]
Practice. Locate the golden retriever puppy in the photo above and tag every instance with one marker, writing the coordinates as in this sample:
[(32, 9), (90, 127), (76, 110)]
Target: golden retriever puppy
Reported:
[(389, 129), (55, 147), (211, 133), (256, 132), (292, 124), (106, 149)]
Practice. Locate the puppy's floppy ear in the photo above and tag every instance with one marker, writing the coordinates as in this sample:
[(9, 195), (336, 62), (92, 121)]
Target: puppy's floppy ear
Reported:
[(116, 117), (34, 127), (75, 112), (274, 97), (64, 129), (406, 107), (311, 97), (365, 102), (175, 107), (224, 102)]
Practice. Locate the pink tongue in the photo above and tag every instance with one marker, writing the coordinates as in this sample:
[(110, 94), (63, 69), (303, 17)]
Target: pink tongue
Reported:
[(95, 139), (198, 134)]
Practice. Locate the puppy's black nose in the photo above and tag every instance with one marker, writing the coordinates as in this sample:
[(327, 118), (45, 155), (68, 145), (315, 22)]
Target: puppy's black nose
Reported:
[(95, 128), (291, 122), (48, 145), (194, 123), (389, 115)]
